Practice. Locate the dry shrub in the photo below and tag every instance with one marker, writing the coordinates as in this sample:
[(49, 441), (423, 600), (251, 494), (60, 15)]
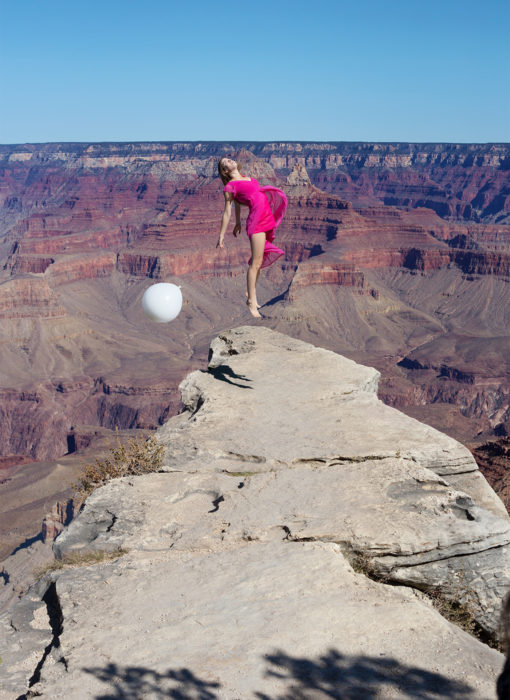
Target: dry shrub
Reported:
[(461, 614), (80, 558), (139, 455), (363, 564)]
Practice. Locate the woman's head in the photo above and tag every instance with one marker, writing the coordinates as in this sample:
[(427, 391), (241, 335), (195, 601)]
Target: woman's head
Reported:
[(226, 168)]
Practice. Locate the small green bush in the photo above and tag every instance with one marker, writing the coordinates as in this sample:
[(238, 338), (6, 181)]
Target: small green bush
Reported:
[(135, 456)]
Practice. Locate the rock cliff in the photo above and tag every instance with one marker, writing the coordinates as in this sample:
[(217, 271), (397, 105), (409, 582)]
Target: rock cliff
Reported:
[(260, 556)]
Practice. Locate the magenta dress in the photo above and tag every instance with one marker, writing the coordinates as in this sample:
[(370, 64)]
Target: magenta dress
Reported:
[(267, 207)]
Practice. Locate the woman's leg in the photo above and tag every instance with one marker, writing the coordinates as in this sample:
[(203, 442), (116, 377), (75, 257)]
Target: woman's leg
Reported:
[(257, 242), (258, 274)]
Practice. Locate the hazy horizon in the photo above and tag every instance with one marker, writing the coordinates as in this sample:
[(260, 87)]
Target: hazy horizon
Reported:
[(249, 141)]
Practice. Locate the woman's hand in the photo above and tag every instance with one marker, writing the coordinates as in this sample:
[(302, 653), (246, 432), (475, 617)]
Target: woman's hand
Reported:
[(220, 243), (237, 229)]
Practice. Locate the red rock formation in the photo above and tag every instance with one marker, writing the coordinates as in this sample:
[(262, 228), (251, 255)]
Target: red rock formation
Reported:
[(467, 181), (18, 264), (12, 460), (81, 267), (493, 458), (37, 423), (139, 264), (316, 272), (28, 298)]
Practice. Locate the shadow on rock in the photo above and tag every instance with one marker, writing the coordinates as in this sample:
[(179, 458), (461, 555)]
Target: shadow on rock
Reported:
[(358, 678), (27, 543), (330, 676), (134, 682), (222, 372)]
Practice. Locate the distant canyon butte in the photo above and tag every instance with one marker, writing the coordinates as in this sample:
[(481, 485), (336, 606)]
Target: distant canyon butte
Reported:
[(397, 255)]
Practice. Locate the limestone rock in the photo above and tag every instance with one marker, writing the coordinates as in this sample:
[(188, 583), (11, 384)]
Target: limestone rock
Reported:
[(17, 571), (25, 636), (301, 404), (264, 620), (412, 526), (283, 467)]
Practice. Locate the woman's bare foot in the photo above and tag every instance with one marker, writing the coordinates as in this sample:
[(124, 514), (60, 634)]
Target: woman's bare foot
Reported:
[(258, 305), (253, 309)]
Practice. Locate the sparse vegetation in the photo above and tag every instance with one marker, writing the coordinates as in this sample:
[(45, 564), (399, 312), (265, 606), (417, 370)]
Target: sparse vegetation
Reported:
[(457, 603), (139, 455), (461, 614), (229, 473), (459, 607), (80, 558), (363, 564)]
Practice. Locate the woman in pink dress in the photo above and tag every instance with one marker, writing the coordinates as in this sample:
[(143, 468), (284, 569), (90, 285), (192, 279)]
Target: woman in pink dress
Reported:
[(267, 206)]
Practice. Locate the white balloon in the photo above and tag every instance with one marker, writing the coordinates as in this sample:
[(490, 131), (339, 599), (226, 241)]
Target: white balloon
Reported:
[(162, 302)]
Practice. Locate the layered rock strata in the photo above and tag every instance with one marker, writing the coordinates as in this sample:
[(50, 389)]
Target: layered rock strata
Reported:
[(283, 469), (467, 181)]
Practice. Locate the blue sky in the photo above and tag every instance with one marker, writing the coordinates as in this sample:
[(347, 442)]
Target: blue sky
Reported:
[(321, 70)]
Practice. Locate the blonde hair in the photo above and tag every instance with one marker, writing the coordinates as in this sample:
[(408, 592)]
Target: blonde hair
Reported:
[(225, 178)]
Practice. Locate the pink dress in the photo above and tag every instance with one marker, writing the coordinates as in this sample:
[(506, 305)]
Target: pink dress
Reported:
[(267, 207)]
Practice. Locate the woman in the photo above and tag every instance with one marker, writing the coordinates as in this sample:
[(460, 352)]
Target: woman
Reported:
[(264, 217)]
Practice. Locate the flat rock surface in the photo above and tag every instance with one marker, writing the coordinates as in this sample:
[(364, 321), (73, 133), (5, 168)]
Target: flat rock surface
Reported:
[(273, 399), (410, 524), (271, 620)]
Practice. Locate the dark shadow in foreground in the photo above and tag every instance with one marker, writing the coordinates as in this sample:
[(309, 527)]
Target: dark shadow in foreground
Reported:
[(135, 682), (341, 677), (332, 675)]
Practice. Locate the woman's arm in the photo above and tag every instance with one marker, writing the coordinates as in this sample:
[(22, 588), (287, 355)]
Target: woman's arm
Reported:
[(237, 227), (225, 218)]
